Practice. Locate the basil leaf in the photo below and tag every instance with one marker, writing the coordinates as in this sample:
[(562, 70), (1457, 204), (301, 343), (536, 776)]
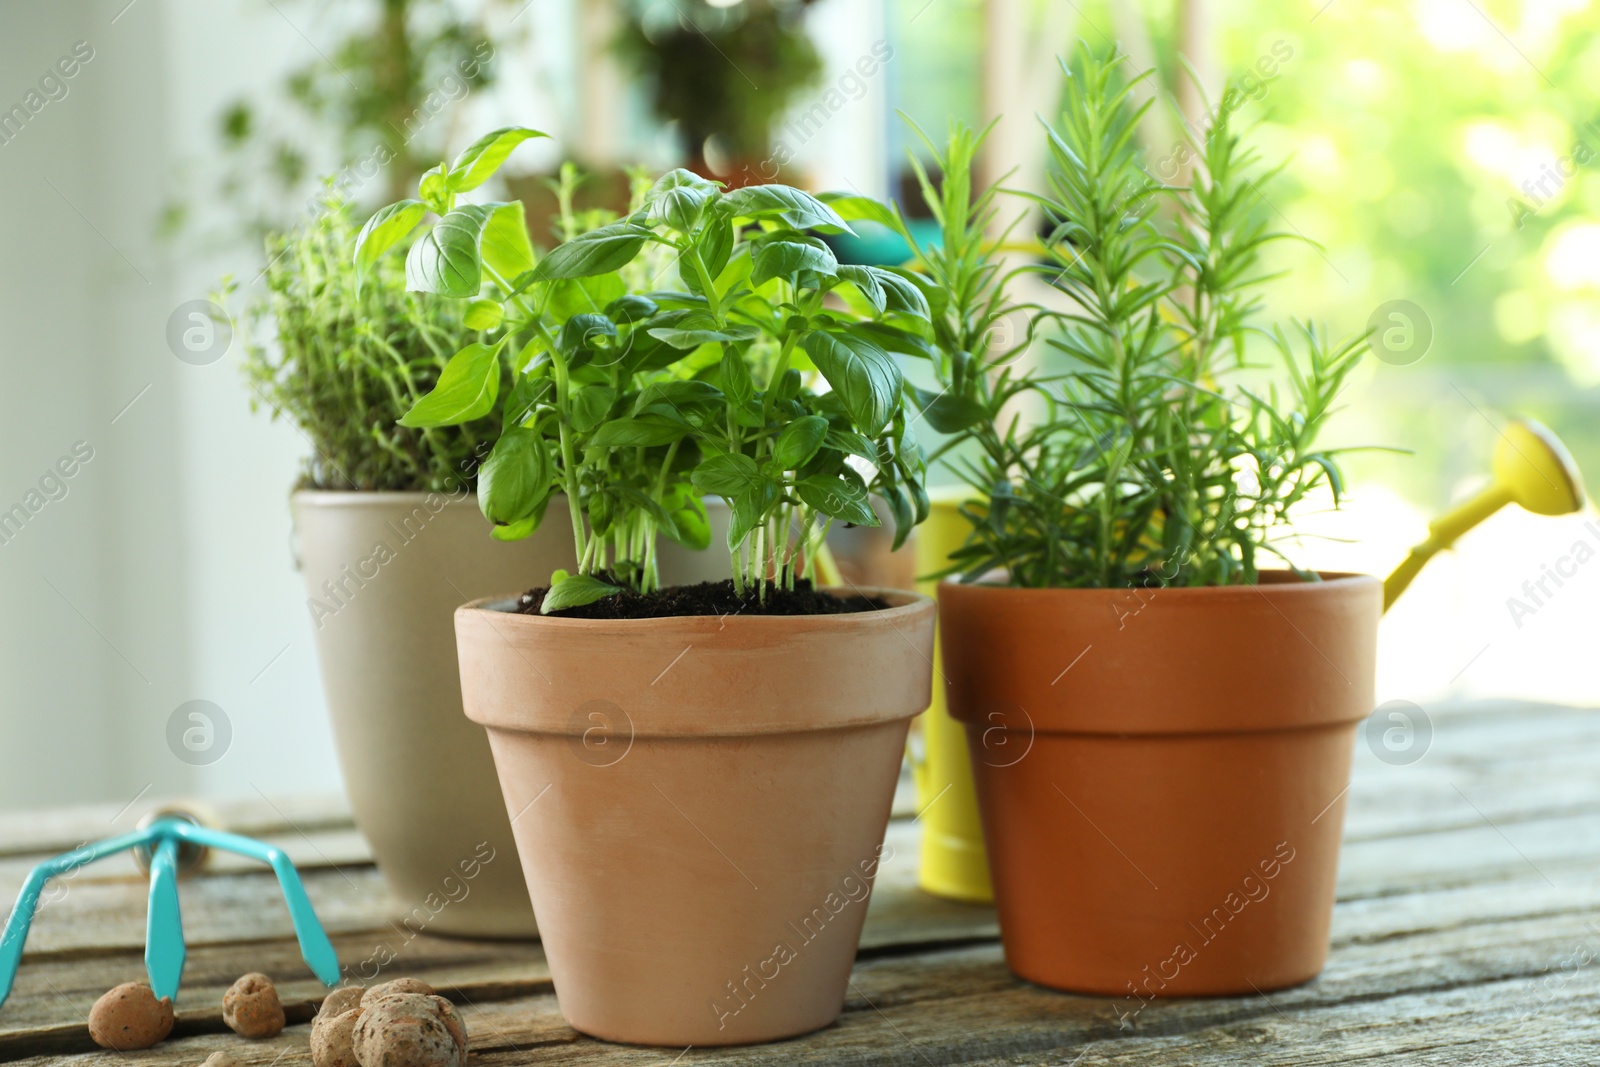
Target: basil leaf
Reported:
[(590, 405), (852, 444), (483, 315), (690, 339), (748, 509), (678, 393), (949, 413), (574, 591), (446, 259), (505, 246), (839, 497), (577, 296), (596, 252), (797, 209), (852, 207), (385, 228), (465, 390), (862, 374), (727, 475), (799, 441), (867, 283), (433, 190), (901, 293), (736, 382), (483, 157), (678, 197), (783, 258), (641, 432), (516, 477), (581, 333)]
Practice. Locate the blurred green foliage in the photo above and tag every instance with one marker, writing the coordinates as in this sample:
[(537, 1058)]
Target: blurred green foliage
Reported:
[(1438, 151)]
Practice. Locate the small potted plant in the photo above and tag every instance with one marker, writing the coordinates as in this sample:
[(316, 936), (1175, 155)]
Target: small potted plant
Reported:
[(701, 776), (389, 542), (1160, 723)]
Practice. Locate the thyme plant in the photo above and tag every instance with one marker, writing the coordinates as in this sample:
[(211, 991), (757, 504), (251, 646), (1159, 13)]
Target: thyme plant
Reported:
[(344, 358), (1160, 454), (766, 378)]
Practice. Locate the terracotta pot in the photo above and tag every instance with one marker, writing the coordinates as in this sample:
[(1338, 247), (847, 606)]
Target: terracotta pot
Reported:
[(1161, 774), (700, 803), (384, 574)]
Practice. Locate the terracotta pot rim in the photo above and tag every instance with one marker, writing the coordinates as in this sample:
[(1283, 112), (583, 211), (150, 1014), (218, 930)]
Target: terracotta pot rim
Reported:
[(748, 676), (904, 605), (1339, 580)]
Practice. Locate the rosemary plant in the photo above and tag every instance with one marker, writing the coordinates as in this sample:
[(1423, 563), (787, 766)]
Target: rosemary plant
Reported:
[(1160, 454)]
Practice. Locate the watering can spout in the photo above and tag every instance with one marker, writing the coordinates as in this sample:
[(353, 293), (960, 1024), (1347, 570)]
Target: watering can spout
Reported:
[(1531, 468)]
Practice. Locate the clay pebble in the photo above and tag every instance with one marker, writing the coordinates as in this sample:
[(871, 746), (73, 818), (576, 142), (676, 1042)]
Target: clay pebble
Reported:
[(129, 1017), (251, 1007), (409, 1030), (333, 1038), (397, 985)]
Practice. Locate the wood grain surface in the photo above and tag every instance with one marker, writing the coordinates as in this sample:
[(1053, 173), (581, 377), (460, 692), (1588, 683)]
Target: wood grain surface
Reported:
[(1467, 932)]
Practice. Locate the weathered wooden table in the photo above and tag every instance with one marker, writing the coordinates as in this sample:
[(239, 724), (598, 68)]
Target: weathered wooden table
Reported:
[(1467, 931)]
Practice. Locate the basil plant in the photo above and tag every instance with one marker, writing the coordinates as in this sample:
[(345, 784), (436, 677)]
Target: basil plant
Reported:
[(708, 343)]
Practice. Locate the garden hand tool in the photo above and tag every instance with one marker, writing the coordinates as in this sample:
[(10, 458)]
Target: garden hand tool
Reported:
[(1531, 468), (953, 862), (171, 843)]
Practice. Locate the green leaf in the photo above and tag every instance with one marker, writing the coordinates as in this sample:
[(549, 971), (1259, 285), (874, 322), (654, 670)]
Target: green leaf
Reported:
[(852, 444), (582, 333), (628, 308), (781, 259), (795, 208), (434, 191), (867, 282), (385, 228), (862, 374), (799, 441), (465, 391), (483, 315), (574, 591), (691, 526), (516, 477), (517, 531), (483, 157), (596, 252), (505, 246), (748, 510), (641, 432), (901, 293), (852, 207), (590, 405), (839, 497), (949, 413), (678, 197), (736, 383), (691, 339), (445, 260), (727, 474), (678, 394), (579, 296)]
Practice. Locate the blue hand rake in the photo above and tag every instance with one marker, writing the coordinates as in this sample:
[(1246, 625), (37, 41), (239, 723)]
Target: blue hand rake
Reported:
[(172, 841)]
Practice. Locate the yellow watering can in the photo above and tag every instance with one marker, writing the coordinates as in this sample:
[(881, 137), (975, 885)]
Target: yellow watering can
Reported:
[(1531, 468), (953, 862)]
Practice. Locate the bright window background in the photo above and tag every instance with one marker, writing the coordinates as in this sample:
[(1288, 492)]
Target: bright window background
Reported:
[(165, 573)]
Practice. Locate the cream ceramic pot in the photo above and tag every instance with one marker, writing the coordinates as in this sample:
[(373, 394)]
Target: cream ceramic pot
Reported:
[(384, 572)]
